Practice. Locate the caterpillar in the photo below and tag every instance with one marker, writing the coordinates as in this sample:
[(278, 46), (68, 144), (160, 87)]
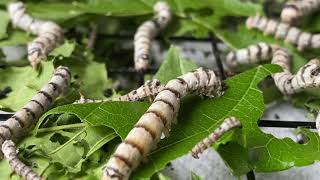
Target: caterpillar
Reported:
[(318, 123), (285, 32), (49, 33), (10, 152), (157, 120), (295, 10), (146, 32), (306, 77), (227, 125), (24, 119), (253, 54), (149, 89)]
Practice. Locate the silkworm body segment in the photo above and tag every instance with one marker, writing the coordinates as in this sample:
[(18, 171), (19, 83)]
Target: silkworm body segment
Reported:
[(146, 32), (49, 33), (226, 126), (285, 32), (253, 54), (307, 77), (25, 118), (10, 152), (295, 10), (157, 119)]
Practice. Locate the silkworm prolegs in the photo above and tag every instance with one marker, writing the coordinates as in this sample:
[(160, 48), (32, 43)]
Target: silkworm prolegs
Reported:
[(49, 33), (25, 118), (146, 32), (149, 89), (227, 125), (157, 119), (294, 10), (10, 153)]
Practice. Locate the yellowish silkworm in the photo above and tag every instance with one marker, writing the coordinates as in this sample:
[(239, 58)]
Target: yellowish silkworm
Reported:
[(227, 125), (24, 119), (10, 152), (307, 77), (146, 32), (253, 54), (149, 89), (285, 32), (295, 10), (49, 33), (157, 120)]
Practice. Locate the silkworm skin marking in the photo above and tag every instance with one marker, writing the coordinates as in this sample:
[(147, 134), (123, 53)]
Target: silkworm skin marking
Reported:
[(253, 54), (307, 76), (294, 11), (227, 125), (149, 89), (50, 34), (10, 152), (283, 31), (146, 32), (157, 119), (25, 118)]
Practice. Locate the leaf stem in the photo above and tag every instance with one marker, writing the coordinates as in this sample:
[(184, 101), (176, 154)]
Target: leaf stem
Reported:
[(57, 128), (69, 141)]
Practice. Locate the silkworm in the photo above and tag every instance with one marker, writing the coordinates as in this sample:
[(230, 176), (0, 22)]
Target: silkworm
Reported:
[(157, 120), (307, 76), (285, 32), (250, 55), (49, 33), (10, 152), (295, 10), (149, 89), (226, 126), (318, 123), (146, 32), (24, 119)]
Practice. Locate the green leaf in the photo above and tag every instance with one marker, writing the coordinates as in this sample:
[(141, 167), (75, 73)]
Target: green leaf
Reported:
[(173, 66), (25, 83), (194, 176), (197, 117), (65, 49), (61, 11), (4, 24)]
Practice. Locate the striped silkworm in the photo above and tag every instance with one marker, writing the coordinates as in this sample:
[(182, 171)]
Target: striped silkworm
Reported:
[(285, 32), (295, 10), (10, 152), (49, 33), (146, 32), (24, 119), (157, 120), (227, 125), (307, 76), (149, 89), (253, 54)]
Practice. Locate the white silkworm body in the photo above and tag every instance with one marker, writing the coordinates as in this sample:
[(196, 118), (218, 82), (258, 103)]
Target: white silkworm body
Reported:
[(149, 89), (10, 152), (25, 118), (226, 126), (146, 32), (49, 33), (318, 123), (307, 76), (157, 120), (285, 32), (253, 54), (295, 10)]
